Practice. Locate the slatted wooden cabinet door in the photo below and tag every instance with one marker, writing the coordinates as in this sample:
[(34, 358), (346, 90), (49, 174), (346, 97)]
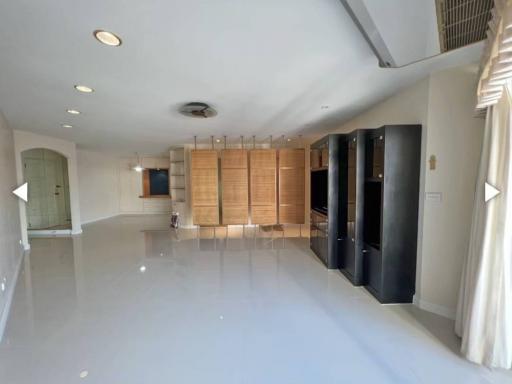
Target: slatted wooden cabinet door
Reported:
[(291, 186), (235, 187), (263, 179), (205, 187)]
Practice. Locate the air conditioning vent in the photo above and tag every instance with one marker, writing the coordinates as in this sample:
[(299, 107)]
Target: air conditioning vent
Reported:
[(198, 109), (462, 22)]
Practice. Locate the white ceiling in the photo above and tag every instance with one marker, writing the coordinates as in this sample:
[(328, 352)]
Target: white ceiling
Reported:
[(409, 28), (267, 66)]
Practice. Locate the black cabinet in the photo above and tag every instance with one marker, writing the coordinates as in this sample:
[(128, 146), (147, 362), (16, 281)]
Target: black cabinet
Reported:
[(372, 269), (364, 207), (326, 210), (352, 177), (319, 236), (391, 198)]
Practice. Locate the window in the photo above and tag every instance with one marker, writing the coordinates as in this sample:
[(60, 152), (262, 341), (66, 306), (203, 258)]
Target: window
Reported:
[(155, 182)]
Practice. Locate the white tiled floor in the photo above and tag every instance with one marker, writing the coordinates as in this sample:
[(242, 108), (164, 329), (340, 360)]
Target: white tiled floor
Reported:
[(251, 310)]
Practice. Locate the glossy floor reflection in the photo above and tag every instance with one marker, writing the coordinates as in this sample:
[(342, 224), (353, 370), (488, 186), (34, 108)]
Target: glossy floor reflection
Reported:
[(131, 302)]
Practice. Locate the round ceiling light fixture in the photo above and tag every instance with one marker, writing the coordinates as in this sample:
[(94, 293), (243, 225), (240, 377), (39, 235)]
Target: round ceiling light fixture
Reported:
[(198, 109), (73, 111), (83, 88), (107, 38)]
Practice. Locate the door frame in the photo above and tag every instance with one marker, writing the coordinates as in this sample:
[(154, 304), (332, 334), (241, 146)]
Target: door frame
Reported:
[(26, 140), (49, 160)]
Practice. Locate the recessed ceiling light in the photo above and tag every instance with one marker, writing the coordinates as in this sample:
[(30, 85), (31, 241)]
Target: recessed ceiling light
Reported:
[(142, 268), (66, 126), (218, 140), (107, 38), (73, 111), (84, 88)]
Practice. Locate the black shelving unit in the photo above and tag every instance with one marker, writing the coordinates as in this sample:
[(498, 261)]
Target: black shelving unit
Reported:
[(390, 211), (352, 181), (326, 210), (364, 207)]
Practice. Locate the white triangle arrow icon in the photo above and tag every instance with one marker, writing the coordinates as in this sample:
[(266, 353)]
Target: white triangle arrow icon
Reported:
[(22, 192), (490, 192)]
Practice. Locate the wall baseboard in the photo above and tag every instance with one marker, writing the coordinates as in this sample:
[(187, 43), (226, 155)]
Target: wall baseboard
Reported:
[(10, 295), (100, 219), (434, 308), (125, 214), (138, 213), (49, 232)]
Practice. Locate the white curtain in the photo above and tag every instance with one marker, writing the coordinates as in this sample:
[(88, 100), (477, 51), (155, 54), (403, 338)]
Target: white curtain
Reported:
[(484, 313)]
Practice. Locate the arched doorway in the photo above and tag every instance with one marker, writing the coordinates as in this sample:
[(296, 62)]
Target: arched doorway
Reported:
[(48, 206)]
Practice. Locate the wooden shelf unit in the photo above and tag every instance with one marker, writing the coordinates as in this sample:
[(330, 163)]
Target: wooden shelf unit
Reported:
[(263, 186), (291, 186), (205, 187), (177, 175), (235, 186)]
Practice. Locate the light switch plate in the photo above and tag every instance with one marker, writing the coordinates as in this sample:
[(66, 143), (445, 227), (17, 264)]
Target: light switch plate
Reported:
[(434, 196)]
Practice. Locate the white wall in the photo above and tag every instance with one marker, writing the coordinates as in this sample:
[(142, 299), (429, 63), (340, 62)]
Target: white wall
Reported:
[(455, 138), (444, 105), (10, 234), (98, 182), (27, 140)]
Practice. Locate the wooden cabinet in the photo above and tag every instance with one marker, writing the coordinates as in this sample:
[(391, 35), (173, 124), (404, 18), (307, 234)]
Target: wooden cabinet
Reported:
[(263, 186), (235, 186), (291, 186), (205, 187), (205, 215), (248, 180)]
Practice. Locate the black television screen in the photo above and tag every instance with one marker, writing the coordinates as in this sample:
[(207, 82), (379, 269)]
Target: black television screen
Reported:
[(159, 182), (319, 190)]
